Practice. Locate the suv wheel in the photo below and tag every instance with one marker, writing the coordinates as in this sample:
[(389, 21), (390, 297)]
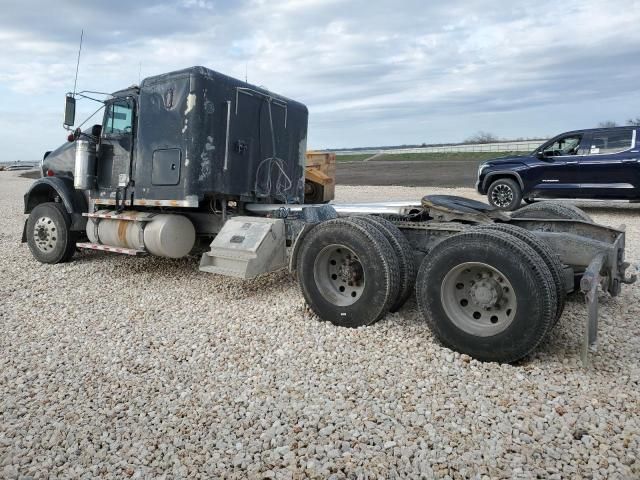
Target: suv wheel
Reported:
[(505, 194)]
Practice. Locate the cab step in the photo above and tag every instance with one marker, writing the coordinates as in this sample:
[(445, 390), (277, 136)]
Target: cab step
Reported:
[(107, 248)]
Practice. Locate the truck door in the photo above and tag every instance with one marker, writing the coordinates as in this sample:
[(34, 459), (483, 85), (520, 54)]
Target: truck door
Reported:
[(557, 173), (114, 152), (610, 168)]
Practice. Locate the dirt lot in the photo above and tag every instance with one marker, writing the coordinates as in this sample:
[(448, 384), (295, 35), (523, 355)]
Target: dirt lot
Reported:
[(408, 174), (122, 367)]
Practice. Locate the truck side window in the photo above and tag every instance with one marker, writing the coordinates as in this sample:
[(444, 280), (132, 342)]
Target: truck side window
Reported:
[(563, 146), (611, 141), (118, 118)]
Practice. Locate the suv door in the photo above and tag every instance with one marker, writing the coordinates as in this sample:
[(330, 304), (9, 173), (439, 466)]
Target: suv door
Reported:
[(610, 169), (556, 172)]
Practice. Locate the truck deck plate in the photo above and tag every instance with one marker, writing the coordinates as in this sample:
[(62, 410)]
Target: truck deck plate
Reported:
[(106, 248)]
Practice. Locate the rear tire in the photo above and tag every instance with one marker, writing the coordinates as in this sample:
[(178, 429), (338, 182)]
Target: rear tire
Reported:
[(404, 252), (552, 210), (505, 194), (348, 272), (49, 236), (546, 253), (511, 279)]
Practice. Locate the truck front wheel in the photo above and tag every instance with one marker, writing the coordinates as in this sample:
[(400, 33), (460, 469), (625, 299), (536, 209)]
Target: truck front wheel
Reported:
[(49, 235)]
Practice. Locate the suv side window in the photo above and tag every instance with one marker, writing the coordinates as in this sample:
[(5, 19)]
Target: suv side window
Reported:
[(118, 119), (611, 141), (567, 145)]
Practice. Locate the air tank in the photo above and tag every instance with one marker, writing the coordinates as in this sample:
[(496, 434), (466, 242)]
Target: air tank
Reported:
[(84, 172), (163, 235)]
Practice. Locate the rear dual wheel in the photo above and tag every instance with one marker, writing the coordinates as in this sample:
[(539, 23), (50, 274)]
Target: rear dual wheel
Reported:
[(487, 294), (545, 252), (352, 271)]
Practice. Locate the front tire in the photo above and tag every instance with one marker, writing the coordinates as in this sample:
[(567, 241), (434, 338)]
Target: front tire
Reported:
[(49, 235), (486, 294), (505, 194)]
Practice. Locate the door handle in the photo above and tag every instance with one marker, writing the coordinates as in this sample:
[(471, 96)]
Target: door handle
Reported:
[(574, 162), (629, 160)]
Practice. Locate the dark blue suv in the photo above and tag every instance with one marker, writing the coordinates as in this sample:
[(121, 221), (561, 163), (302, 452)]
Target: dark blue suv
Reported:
[(600, 163)]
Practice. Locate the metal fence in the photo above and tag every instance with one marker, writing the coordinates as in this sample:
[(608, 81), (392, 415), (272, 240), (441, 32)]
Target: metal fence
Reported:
[(524, 146)]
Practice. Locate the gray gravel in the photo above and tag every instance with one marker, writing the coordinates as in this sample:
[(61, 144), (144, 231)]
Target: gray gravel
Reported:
[(143, 367)]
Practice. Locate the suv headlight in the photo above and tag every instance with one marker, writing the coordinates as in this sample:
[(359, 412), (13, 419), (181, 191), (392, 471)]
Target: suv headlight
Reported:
[(481, 167)]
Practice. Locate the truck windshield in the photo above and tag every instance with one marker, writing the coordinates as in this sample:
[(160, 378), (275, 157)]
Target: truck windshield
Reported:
[(118, 117)]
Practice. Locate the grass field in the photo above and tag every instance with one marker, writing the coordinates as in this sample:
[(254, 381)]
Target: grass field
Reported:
[(425, 157)]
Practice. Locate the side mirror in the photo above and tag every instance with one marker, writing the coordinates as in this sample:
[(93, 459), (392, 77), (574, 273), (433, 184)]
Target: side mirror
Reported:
[(69, 111), (540, 154)]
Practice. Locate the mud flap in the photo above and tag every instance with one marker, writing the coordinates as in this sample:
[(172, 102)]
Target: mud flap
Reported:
[(589, 284)]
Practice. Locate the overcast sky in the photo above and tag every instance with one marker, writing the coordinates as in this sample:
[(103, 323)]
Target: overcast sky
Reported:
[(372, 72)]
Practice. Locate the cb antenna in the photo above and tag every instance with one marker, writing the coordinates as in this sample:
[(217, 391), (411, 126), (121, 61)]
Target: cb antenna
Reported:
[(75, 82)]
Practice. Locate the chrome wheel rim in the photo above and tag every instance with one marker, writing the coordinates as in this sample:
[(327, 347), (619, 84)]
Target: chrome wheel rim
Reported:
[(339, 275), (502, 195), (45, 234), (478, 299)]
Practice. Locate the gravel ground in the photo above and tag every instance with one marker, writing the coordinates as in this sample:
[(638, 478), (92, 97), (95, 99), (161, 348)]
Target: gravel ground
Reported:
[(145, 368)]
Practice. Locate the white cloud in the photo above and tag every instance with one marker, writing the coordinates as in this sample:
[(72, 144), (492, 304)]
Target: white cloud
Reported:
[(389, 67)]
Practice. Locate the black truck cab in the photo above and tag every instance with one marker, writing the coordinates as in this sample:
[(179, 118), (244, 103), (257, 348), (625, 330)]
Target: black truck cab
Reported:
[(186, 135)]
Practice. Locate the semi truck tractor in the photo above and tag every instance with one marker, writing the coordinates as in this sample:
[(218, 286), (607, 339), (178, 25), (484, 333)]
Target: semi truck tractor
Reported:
[(194, 162)]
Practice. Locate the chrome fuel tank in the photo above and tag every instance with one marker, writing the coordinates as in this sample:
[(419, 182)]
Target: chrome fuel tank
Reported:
[(163, 235), (84, 173)]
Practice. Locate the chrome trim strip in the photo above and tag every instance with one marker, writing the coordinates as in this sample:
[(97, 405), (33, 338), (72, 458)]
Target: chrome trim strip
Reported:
[(342, 209), (150, 203), (606, 185)]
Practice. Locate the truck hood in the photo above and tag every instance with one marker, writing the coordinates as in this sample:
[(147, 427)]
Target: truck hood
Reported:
[(507, 159), (62, 160)]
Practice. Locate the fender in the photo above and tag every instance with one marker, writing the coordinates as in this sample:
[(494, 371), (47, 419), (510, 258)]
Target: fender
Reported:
[(502, 173), (50, 189)]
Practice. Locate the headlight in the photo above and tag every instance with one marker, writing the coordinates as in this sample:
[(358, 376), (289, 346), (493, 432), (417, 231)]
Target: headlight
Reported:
[(481, 167)]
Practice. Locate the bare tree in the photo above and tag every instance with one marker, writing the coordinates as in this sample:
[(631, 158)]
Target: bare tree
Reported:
[(607, 124), (482, 137), (634, 121)]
